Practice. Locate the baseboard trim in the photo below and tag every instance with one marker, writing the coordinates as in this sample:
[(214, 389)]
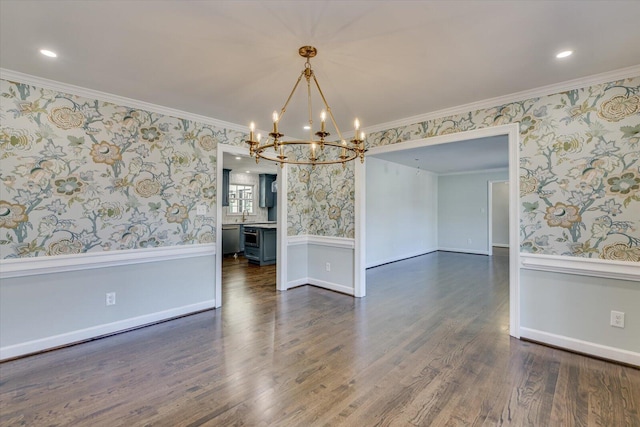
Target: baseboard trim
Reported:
[(298, 282), (582, 266), (321, 284), (21, 267), (94, 332), (401, 258), (500, 245), (464, 251), (332, 286), (583, 347)]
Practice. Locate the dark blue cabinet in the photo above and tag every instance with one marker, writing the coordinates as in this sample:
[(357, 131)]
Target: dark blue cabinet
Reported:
[(225, 186), (267, 197), (265, 252)]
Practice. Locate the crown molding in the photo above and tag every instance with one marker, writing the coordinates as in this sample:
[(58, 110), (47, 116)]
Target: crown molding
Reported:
[(609, 76), (16, 76), (579, 83)]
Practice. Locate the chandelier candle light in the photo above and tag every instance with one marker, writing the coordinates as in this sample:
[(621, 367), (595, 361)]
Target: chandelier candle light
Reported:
[(338, 152)]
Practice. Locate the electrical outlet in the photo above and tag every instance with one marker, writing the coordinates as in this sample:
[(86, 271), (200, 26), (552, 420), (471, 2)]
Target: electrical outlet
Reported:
[(201, 210), (328, 266), (617, 319), (111, 298), (469, 241)]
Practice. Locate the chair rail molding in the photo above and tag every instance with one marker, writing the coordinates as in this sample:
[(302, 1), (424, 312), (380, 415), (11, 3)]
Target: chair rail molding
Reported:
[(21, 267), (582, 266), (308, 239)]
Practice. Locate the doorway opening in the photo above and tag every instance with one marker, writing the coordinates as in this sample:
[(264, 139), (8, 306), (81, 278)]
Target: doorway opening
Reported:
[(511, 133), (248, 222)]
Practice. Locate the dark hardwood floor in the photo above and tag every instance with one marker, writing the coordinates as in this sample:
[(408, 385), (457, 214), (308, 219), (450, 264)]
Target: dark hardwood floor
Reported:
[(428, 346)]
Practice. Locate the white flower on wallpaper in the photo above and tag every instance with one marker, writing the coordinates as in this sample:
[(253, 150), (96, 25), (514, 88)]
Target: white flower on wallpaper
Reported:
[(81, 175)]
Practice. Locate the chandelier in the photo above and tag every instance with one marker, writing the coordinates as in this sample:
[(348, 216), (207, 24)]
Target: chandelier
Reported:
[(273, 148)]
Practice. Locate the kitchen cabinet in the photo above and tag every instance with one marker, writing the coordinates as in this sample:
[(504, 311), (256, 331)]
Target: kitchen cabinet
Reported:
[(230, 239), (225, 186), (268, 246), (267, 197), (264, 252)]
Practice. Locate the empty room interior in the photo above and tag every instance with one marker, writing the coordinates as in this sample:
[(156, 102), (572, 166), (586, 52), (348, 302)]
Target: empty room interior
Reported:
[(319, 213)]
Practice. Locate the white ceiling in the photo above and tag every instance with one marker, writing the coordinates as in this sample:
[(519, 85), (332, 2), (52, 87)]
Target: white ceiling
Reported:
[(245, 163), (462, 156), (379, 61)]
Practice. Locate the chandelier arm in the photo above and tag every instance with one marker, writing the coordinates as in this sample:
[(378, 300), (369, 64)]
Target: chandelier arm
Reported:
[(284, 108), (347, 152), (324, 100)]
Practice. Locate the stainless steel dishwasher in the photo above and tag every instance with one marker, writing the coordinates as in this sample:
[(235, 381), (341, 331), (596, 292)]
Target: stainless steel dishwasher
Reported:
[(230, 239)]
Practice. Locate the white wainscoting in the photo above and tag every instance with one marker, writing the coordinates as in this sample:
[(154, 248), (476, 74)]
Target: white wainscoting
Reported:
[(48, 302), (567, 301), (317, 251), (80, 335)]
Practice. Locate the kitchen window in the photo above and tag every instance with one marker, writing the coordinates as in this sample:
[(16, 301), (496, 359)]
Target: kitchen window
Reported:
[(241, 199)]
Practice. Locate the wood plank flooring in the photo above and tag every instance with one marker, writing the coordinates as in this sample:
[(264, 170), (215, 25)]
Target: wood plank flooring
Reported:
[(428, 346)]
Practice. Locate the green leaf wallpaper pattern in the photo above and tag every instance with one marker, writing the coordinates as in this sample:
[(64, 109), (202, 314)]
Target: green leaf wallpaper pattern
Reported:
[(81, 175), (579, 172)]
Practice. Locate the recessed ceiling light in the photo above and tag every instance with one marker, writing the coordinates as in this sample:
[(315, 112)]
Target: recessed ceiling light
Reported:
[(238, 158), (248, 171), (564, 54), (48, 53), (306, 127)]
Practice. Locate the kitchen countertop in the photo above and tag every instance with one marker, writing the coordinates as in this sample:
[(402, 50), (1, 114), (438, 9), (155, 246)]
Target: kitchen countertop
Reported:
[(253, 224), (266, 225)]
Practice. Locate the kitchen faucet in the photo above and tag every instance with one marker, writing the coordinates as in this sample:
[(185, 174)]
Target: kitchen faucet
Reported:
[(243, 215)]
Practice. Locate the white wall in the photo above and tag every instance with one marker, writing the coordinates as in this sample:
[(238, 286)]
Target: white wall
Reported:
[(47, 310), (463, 202), (297, 264), (500, 213), (401, 207), (326, 262), (573, 311)]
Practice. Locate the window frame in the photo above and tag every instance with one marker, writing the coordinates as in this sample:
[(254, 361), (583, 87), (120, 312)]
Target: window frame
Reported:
[(234, 191)]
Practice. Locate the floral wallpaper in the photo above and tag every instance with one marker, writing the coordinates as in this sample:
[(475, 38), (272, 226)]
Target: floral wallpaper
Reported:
[(321, 201), (80, 175), (579, 171)]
